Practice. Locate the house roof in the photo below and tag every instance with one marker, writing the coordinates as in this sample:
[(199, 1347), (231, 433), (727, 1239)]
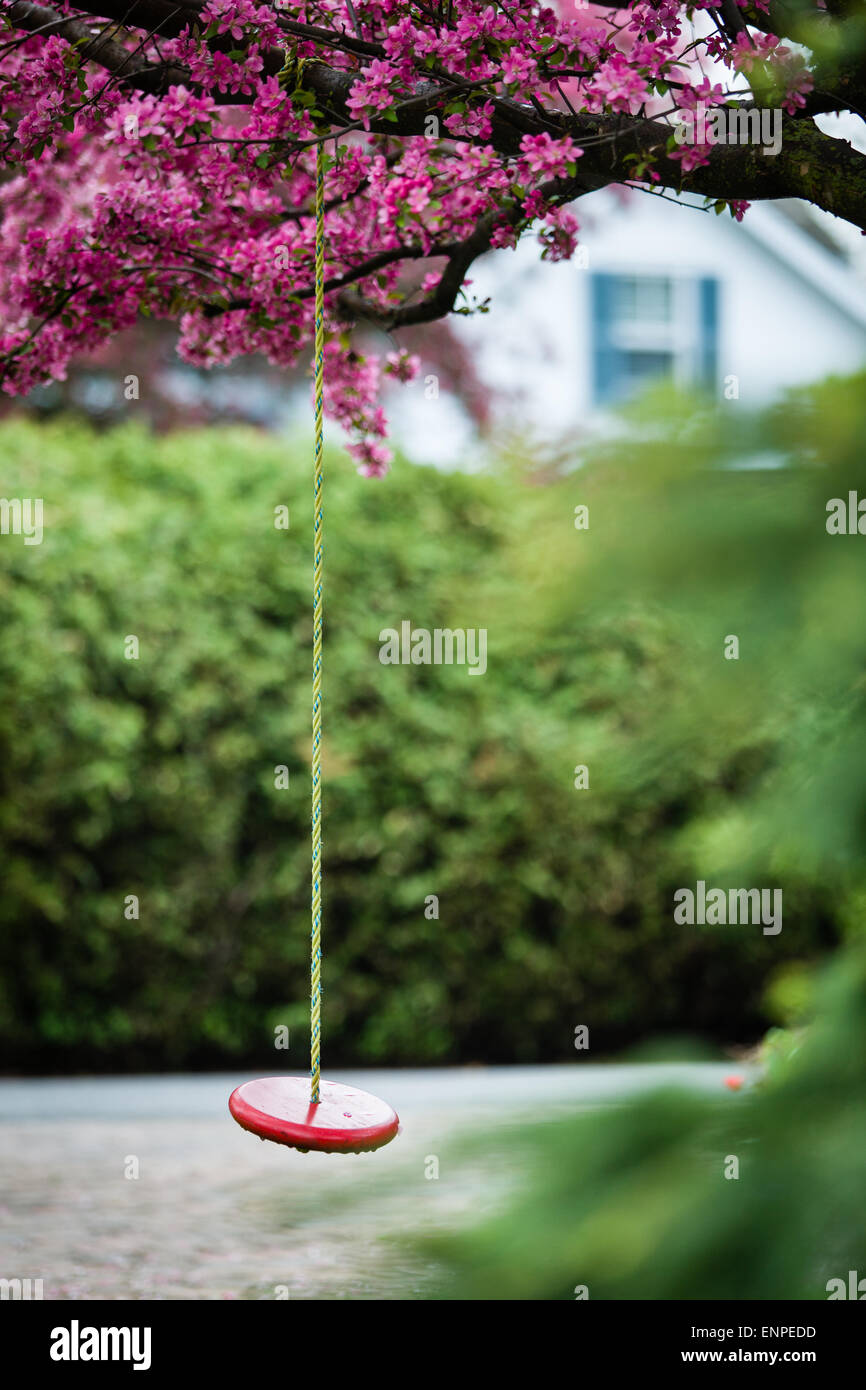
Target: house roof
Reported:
[(802, 216), (789, 234)]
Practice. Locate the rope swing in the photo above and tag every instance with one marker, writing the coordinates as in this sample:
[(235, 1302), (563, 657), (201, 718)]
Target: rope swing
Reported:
[(314, 1114), (316, 822)]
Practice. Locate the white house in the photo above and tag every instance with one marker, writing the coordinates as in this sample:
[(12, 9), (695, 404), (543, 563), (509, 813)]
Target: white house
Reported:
[(657, 289)]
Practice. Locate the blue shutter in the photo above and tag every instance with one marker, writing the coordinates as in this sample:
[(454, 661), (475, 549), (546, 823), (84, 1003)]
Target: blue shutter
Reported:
[(709, 332), (606, 360)]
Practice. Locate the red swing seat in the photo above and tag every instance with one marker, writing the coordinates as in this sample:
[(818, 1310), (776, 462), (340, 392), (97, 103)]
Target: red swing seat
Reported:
[(345, 1120)]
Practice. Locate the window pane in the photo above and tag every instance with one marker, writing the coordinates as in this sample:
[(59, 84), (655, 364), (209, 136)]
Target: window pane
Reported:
[(644, 298), (640, 366)]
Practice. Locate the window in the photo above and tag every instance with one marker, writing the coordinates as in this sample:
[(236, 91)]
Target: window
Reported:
[(643, 298), (650, 326)]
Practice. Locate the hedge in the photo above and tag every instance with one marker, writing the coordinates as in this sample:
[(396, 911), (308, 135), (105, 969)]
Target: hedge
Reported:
[(154, 776)]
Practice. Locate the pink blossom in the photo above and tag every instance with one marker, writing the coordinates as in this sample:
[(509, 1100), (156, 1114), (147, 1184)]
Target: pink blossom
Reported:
[(544, 156), (372, 92), (618, 86), (373, 460), (405, 366), (195, 202)]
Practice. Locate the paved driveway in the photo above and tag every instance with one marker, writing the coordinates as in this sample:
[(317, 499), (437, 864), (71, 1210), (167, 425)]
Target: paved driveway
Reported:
[(215, 1213)]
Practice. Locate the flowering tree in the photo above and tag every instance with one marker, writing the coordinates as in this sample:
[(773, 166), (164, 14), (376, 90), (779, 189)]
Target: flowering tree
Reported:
[(160, 157)]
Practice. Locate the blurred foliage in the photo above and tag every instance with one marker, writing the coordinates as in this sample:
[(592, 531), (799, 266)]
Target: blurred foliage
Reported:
[(634, 1202), (605, 648), (788, 996)]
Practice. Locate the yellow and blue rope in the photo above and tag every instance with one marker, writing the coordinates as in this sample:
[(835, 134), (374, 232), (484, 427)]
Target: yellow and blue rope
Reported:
[(316, 828)]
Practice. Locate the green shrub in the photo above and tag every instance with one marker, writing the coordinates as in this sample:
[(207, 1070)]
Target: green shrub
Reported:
[(155, 776), (643, 1201)]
